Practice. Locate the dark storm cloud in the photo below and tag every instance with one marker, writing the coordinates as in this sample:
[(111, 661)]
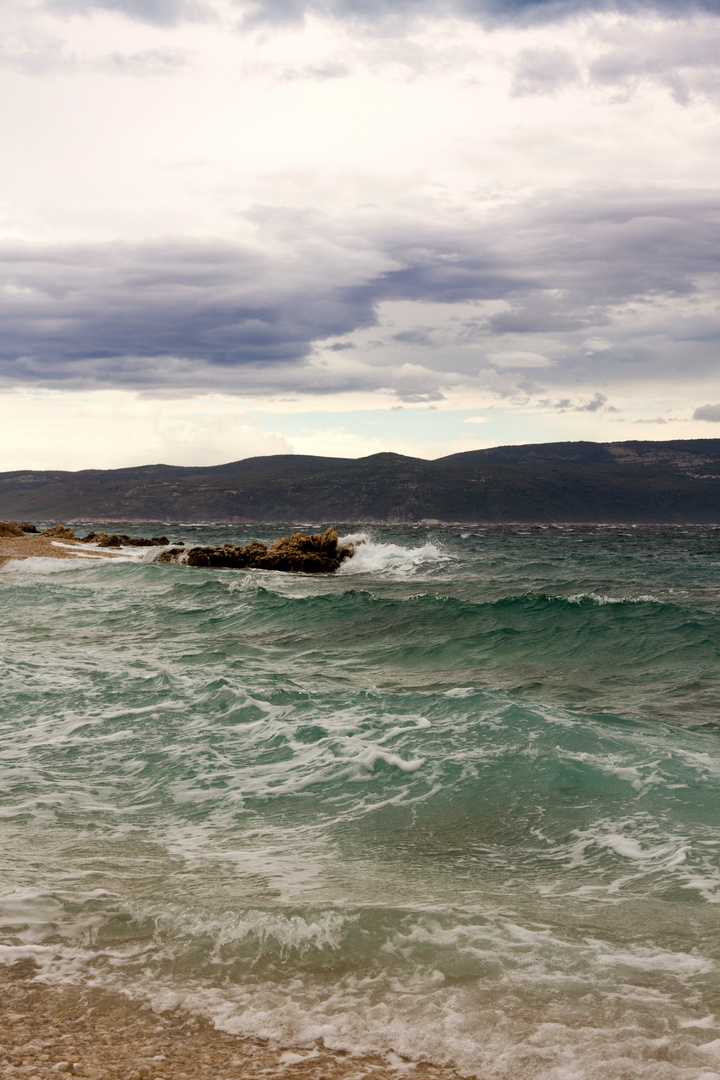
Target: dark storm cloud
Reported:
[(563, 263), (215, 313), (87, 314)]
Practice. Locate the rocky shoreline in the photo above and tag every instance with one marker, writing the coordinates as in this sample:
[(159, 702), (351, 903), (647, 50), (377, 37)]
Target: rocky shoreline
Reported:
[(305, 553)]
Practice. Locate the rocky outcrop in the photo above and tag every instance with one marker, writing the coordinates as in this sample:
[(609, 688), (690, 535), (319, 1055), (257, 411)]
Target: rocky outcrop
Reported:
[(58, 532), (101, 539), (306, 553), (317, 553), (10, 528), (107, 540)]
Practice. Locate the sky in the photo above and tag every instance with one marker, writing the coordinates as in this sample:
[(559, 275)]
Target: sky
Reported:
[(242, 227)]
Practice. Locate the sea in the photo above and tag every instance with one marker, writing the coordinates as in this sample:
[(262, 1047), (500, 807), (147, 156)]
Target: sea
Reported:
[(458, 802)]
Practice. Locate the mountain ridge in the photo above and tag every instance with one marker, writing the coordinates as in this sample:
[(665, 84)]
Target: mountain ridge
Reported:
[(636, 481)]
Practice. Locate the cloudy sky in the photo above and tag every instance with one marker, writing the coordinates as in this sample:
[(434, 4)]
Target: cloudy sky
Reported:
[(237, 227)]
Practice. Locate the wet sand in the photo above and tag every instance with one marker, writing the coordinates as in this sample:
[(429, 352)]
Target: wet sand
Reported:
[(26, 547), (48, 1032)]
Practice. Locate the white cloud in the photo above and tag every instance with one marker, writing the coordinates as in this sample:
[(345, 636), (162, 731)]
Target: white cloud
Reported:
[(520, 360), (595, 345)]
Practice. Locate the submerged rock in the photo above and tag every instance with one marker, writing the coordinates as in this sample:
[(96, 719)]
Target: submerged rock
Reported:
[(316, 553)]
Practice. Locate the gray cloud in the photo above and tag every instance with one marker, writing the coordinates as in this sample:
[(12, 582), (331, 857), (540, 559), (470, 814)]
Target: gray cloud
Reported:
[(599, 401), (566, 264), (87, 314), (157, 12), (708, 412), (654, 420), (148, 62), (488, 11), (40, 54), (169, 12), (681, 57), (219, 314), (417, 337), (318, 72), (677, 54), (543, 71)]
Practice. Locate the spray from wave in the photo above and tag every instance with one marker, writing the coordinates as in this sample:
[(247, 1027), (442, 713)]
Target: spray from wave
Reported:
[(388, 558)]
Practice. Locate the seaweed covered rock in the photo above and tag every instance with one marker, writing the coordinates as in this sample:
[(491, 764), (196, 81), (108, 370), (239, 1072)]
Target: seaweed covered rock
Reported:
[(316, 553)]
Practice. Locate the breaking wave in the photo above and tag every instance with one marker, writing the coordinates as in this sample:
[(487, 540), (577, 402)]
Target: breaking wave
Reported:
[(458, 802)]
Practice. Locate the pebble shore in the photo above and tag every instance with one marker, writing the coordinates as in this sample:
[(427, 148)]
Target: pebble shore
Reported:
[(48, 1033), (27, 547)]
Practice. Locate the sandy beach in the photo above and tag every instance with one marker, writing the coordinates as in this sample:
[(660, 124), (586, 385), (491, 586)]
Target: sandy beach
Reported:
[(74, 1030), (27, 547)]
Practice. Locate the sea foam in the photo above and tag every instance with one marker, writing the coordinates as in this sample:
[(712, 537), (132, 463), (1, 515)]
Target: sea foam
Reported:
[(445, 805)]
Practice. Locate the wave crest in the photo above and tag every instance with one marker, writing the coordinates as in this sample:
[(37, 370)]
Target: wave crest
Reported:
[(389, 559)]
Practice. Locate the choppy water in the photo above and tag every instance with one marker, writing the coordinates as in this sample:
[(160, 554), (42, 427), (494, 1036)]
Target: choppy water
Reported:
[(459, 801)]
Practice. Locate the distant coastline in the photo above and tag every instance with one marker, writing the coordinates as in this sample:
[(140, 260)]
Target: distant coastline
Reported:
[(634, 482)]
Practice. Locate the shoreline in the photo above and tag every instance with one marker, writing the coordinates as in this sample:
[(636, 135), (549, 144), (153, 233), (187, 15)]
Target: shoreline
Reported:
[(45, 547), (48, 1031), (317, 553)]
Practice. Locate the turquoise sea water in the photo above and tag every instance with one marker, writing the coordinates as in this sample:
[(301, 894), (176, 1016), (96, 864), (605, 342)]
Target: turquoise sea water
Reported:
[(459, 801)]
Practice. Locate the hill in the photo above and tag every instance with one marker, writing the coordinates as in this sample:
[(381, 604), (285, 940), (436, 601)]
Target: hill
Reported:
[(642, 482)]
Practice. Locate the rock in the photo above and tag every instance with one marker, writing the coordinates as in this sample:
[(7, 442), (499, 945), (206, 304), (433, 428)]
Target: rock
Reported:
[(27, 527), (113, 540), (103, 539), (300, 553), (58, 532), (169, 556), (10, 528), (229, 555)]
